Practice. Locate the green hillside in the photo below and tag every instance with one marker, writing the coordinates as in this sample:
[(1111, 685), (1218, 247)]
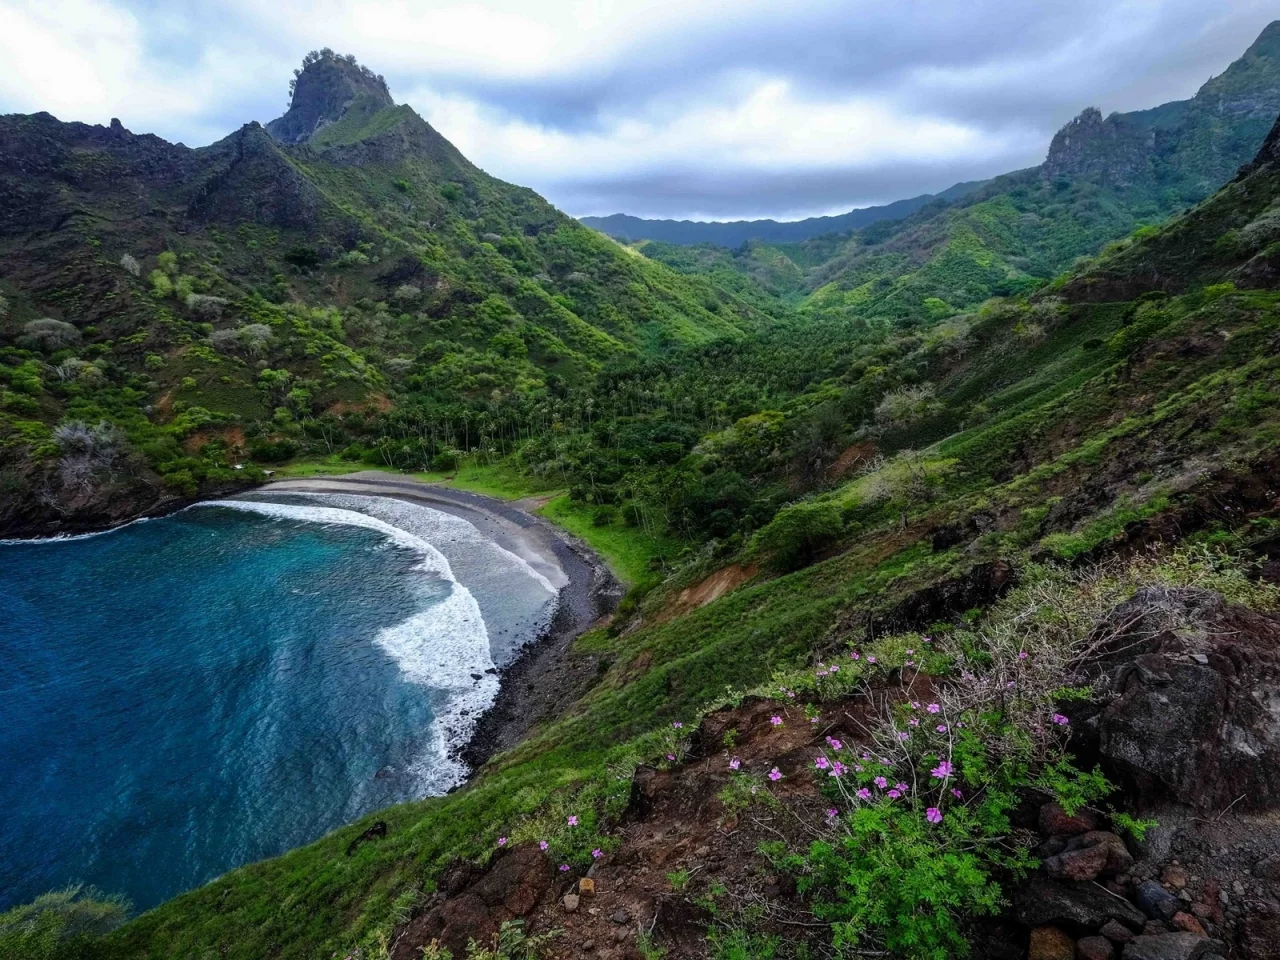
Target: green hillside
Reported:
[(197, 307)]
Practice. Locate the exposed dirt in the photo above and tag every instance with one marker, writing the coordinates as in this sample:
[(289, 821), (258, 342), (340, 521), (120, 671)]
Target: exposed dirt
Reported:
[(723, 581)]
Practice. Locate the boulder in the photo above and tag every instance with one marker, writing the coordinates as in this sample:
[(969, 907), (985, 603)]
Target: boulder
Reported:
[(1051, 943), (1095, 948), (1191, 721), (1155, 901), (1077, 906), (1188, 924), (1116, 932), (1088, 856), (1169, 946), (1054, 821)]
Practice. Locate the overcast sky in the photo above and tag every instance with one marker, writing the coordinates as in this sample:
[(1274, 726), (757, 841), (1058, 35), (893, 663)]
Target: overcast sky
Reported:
[(659, 108)]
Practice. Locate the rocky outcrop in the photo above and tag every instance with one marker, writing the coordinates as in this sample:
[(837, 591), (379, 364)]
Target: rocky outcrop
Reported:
[(323, 91), (1195, 717), (1111, 151)]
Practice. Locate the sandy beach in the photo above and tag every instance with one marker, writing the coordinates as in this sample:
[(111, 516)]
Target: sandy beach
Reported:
[(545, 675)]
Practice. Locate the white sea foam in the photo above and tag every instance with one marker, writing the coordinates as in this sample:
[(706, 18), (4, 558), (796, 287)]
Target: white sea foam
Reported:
[(444, 647), (68, 537)]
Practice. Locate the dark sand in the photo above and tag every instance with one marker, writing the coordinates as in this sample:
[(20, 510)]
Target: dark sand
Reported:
[(545, 676)]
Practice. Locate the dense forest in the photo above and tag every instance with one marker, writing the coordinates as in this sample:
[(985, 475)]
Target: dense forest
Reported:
[(939, 518)]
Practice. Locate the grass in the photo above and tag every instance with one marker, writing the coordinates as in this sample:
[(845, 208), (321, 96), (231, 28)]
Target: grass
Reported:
[(632, 554)]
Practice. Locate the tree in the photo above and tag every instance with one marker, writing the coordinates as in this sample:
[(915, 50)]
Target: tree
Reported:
[(799, 532)]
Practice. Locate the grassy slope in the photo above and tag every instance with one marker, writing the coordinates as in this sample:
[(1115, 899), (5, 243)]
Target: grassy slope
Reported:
[(1113, 412)]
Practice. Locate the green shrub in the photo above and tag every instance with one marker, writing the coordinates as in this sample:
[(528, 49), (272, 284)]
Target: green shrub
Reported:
[(799, 532)]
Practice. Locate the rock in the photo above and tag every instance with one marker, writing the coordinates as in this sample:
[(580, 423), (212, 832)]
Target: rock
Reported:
[(571, 903), (375, 832), (1155, 928), (1043, 902), (1054, 821), (1168, 946), (1155, 901), (1174, 876), (1095, 948), (1051, 943), (621, 916), (1237, 888), (587, 887), (588, 946), (1187, 923), (1116, 932), (1180, 731), (1088, 856)]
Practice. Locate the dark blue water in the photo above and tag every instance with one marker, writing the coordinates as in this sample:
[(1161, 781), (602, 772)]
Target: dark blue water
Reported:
[(186, 695)]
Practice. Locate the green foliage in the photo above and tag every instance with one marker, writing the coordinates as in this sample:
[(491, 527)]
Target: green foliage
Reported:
[(799, 532)]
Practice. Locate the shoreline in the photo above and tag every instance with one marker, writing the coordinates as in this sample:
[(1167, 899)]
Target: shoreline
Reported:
[(539, 679), (543, 675)]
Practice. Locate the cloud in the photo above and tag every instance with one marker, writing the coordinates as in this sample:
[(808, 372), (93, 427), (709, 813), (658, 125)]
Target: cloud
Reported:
[(654, 107)]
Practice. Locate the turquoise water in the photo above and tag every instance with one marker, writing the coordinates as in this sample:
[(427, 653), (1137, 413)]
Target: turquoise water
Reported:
[(186, 695)]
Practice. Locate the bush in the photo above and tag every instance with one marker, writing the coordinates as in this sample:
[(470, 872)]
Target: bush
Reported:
[(799, 532), (907, 405), (273, 451), (50, 335)]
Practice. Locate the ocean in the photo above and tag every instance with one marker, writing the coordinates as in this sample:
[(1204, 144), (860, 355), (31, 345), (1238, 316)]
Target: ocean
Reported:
[(185, 695)]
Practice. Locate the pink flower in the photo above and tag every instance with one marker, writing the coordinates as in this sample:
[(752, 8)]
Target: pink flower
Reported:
[(671, 756), (914, 721), (832, 813), (957, 794), (903, 735), (855, 655), (542, 845), (776, 720), (933, 815), (895, 794), (813, 719), (942, 770), (834, 668), (834, 744), (1022, 654), (864, 794), (502, 841), (910, 653), (933, 708), (1060, 720), (735, 763), (900, 787), (857, 768), (880, 782), (678, 725), (942, 728), (838, 769), (822, 763), (928, 639), (871, 658), (775, 774), (573, 821), (564, 868), (597, 853)]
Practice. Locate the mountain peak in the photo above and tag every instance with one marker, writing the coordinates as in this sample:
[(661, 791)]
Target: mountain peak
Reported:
[(322, 90)]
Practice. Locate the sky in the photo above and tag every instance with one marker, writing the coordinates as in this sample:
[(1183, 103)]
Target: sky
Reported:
[(691, 109)]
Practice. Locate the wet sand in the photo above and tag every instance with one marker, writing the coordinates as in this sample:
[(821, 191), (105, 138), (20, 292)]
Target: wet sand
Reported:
[(545, 677)]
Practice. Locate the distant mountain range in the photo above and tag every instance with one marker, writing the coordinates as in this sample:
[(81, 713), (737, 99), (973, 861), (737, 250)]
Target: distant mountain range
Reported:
[(732, 233), (1189, 146)]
